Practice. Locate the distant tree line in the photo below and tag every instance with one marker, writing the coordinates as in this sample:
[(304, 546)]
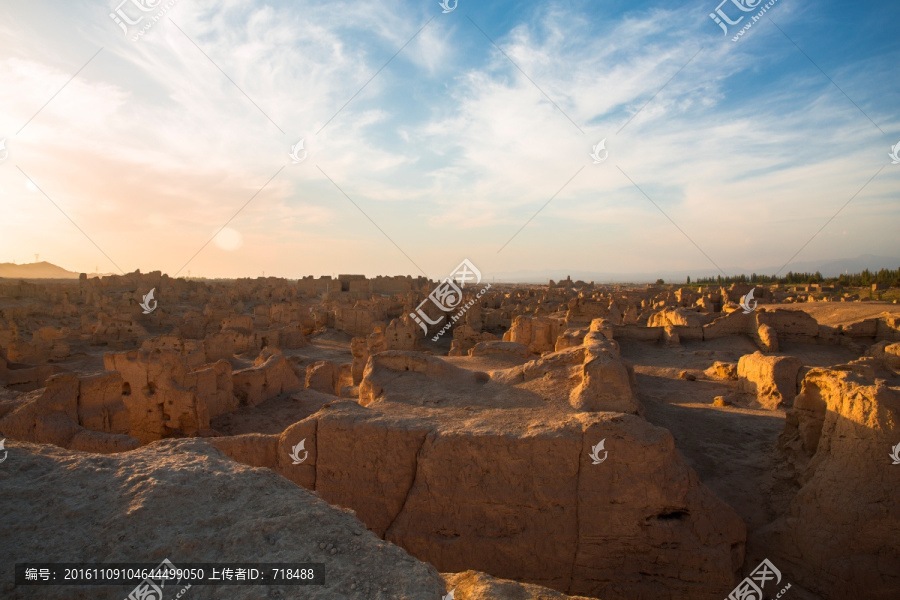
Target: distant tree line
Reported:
[(863, 279)]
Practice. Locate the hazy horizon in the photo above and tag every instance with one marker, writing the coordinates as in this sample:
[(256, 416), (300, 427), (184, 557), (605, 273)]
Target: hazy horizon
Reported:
[(453, 146), (826, 269)]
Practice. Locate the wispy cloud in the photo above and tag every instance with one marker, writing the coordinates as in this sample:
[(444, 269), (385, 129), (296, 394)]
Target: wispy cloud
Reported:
[(450, 149)]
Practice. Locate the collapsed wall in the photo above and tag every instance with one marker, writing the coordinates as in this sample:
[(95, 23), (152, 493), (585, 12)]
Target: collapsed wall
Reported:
[(164, 396), (765, 326), (771, 381), (840, 535), (538, 333), (520, 501), (81, 413)]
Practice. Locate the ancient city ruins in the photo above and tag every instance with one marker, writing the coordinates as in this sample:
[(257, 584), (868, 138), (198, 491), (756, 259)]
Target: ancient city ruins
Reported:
[(559, 417), (570, 440)]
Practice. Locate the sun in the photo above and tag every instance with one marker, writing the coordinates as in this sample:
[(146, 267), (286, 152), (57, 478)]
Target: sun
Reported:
[(229, 239)]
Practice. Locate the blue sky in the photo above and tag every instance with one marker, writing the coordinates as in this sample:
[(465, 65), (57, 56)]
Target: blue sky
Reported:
[(749, 148)]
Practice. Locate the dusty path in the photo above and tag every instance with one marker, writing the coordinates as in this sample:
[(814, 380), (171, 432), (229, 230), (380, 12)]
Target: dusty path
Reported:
[(732, 449), (272, 416)]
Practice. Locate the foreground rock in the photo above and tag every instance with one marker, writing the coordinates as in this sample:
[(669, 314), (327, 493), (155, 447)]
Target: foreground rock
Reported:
[(517, 495), (186, 502)]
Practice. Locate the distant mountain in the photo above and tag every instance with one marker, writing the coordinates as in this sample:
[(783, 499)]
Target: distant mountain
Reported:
[(40, 270), (833, 268)]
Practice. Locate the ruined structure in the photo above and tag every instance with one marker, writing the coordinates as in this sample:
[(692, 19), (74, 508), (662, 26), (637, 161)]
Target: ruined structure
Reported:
[(574, 440)]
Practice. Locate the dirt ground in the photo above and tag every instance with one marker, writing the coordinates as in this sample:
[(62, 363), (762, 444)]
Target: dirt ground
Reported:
[(843, 313), (732, 449)]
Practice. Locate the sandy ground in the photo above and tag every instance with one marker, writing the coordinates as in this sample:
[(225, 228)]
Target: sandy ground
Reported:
[(331, 345), (272, 416), (843, 313)]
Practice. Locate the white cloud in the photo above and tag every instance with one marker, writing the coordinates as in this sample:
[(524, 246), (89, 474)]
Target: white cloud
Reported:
[(450, 152)]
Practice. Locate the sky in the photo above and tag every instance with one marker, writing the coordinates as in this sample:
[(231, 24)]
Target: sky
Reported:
[(432, 137)]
